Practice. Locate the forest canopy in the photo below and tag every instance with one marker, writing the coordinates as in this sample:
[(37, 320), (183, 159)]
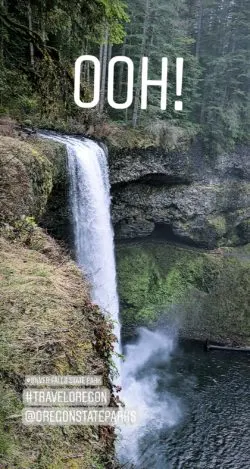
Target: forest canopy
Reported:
[(41, 39)]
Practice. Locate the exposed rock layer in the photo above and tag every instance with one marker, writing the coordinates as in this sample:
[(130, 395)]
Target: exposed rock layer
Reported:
[(188, 196)]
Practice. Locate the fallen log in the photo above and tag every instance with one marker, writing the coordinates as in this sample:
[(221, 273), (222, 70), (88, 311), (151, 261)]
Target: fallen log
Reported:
[(209, 346)]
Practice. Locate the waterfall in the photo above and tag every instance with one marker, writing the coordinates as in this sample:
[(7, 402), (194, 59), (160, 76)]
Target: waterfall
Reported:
[(93, 233), (94, 248)]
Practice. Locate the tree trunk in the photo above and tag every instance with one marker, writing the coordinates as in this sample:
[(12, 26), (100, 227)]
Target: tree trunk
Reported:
[(121, 72), (104, 72), (32, 61), (43, 30), (101, 64), (138, 82), (1, 45), (101, 54), (110, 52), (199, 30)]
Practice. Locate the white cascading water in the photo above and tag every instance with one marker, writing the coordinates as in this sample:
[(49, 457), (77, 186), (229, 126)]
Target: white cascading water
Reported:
[(93, 233)]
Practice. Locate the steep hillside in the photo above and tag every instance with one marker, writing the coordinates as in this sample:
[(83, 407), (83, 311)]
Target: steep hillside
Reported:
[(48, 323)]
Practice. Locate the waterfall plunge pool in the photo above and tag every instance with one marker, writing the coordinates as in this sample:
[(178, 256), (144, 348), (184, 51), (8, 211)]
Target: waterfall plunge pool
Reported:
[(203, 402)]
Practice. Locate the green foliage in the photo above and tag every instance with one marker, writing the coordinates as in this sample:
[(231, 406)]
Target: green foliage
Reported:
[(115, 16), (40, 44), (16, 95), (223, 311), (219, 224), (213, 38), (149, 283), (223, 52), (206, 293), (26, 224)]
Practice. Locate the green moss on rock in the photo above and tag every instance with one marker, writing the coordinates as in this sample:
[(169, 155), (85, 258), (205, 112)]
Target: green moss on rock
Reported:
[(219, 224), (29, 168), (152, 278), (206, 293)]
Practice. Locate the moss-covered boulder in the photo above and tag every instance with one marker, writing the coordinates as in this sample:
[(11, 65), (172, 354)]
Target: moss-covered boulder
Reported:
[(206, 294), (29, 169)]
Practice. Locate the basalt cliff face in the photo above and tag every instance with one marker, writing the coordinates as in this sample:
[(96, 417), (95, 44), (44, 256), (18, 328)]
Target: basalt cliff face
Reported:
[(185, 196)]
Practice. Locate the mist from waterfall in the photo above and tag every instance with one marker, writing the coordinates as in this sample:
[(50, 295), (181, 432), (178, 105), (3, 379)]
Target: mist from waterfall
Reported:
[(140, 384)]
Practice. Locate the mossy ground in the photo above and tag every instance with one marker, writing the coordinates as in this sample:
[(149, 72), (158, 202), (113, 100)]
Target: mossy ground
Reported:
[(48, 326), (207, 294), (158, 134)]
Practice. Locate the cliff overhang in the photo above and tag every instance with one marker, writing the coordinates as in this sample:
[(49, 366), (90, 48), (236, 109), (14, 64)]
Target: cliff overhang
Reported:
[(194, 197)]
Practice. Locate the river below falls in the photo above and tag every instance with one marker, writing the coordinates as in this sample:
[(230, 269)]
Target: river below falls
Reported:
[(212, 393)]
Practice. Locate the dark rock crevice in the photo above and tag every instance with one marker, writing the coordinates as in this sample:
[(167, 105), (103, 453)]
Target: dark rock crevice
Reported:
[(163, 231), (57, 216)]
